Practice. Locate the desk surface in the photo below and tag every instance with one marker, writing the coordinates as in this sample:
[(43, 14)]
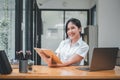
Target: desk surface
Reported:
[(45, 72)]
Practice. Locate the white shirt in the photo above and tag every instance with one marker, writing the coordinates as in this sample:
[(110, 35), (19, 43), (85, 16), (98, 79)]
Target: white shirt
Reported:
[(66, 51)]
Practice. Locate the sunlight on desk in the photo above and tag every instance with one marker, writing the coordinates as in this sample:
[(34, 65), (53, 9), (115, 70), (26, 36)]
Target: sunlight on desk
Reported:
[(70, 72)]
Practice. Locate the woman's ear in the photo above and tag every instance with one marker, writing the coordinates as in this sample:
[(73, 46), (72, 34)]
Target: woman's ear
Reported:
[(80, 29)]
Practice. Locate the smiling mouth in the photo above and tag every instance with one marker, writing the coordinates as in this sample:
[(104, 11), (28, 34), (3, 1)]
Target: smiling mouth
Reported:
[(71, 35)]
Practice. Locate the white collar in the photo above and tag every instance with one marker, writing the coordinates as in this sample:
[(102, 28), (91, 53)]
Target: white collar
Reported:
[(78, 42)]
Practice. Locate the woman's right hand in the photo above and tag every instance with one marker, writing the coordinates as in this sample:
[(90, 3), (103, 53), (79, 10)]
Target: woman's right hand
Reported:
[(46, 58)]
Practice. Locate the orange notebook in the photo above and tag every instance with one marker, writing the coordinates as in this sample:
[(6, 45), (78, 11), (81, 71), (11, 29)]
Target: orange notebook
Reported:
[(48, 53)]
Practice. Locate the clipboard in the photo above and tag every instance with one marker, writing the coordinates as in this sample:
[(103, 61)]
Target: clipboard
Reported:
[(48, 53)]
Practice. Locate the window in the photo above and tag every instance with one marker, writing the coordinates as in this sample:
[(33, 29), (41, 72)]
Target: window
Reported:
[(53, 26), (7, 27)]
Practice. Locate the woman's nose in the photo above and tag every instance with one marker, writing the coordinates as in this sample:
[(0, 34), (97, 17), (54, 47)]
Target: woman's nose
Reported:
[(70, 30)]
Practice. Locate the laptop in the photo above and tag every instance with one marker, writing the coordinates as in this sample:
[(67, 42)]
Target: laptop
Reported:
[(102, 59)]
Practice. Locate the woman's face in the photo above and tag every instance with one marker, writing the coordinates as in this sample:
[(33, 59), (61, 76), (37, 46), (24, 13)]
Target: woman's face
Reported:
[(73, 31)]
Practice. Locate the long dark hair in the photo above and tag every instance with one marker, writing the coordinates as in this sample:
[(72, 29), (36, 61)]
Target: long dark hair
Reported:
[(75, 22)]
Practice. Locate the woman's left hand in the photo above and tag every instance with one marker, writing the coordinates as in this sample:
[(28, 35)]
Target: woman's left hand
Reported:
[(47, 59)]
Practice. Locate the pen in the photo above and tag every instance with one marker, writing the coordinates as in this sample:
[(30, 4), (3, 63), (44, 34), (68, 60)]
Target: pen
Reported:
[(22, 56)]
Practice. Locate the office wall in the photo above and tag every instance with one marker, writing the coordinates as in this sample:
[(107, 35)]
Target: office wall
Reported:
[(108, 23), (64, 4)]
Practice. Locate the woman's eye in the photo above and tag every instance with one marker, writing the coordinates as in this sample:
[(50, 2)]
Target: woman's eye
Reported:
[(73, 28), (68, 29)]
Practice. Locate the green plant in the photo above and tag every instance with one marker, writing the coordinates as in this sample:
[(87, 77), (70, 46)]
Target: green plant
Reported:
[(4, 28)]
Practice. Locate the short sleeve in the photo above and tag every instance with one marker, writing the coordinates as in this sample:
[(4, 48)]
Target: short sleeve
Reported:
[(83, 50)]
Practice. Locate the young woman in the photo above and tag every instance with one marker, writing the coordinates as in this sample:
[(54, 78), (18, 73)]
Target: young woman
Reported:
[(73, 49)]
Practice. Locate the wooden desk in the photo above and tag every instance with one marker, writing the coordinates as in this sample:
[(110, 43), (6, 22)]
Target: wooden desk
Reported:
[(44, 72)]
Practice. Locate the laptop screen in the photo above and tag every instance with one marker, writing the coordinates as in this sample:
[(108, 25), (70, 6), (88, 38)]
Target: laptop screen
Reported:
[(103, 58)]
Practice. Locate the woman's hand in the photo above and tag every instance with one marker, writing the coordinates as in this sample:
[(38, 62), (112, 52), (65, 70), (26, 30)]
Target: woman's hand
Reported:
[(49, 62), (46, 58)]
